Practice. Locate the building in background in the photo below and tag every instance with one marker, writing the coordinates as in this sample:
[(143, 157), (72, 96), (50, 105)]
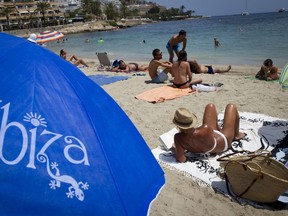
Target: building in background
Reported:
[(19, 14)]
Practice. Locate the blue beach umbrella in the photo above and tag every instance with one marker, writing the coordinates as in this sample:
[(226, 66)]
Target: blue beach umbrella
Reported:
[(66, 147)]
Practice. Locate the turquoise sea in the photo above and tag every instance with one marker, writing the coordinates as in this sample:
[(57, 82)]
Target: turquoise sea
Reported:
[(245, 40)]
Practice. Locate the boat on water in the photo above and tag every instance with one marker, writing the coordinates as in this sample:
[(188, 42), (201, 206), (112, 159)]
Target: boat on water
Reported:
[(245, 13), (281, 10)]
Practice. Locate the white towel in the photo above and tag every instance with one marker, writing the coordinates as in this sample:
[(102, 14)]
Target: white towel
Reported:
[(263, 132)]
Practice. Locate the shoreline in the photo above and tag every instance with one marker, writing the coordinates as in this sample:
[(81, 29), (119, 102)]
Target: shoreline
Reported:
[(79, 27)]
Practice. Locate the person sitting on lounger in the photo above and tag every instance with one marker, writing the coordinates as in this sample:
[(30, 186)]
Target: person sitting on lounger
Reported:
[(182, 73), (73, 59), (197, 68), (267, 71), (159, 75), (123, 67), (209, 137)]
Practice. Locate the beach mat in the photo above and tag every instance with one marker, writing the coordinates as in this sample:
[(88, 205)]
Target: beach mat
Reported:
[(106, 79), (163, 93), (263, 132)]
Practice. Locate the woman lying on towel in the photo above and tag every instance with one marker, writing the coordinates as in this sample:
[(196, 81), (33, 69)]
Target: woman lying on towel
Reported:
[(209, 137), (123, 67)]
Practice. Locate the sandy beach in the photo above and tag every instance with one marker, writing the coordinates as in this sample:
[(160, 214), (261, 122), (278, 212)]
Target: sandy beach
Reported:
[(181, 195)]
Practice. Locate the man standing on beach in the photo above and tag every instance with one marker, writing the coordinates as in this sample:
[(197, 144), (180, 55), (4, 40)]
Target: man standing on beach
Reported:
[(173, 44), (161, 76)]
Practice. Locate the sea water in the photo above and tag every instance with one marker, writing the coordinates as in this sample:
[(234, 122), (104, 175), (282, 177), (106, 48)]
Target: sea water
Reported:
[(245, 40)]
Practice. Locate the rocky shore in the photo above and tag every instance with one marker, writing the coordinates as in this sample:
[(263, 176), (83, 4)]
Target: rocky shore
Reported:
[(80, 27)]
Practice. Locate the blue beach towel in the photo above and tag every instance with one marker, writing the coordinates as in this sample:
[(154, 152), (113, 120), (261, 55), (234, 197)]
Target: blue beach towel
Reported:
[(106, 79)]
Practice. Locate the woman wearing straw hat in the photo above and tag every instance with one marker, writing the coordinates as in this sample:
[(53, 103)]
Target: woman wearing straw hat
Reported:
[(209, 137)]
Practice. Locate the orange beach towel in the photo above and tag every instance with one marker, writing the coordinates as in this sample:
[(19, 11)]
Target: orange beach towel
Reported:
[(163, 93)]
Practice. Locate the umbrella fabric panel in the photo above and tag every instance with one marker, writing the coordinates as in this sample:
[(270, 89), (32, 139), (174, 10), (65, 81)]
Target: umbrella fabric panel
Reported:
[(112, 145), (47, 36)]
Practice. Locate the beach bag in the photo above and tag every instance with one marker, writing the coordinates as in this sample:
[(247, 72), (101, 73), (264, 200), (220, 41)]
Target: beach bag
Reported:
[(255, 176), (115, 63)]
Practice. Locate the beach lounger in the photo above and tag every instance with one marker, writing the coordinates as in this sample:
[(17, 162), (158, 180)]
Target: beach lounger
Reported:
[(104, 61)]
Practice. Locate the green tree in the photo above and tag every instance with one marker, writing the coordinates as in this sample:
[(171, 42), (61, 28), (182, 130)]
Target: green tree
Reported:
[(42, 7), (111, 11), (182, 8), (96, 8), (90, 7), (6, 11), (154, 10), (124, 11)]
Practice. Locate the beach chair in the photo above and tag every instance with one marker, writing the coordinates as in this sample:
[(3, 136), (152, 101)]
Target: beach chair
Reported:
[(105, 63), (283, 80)]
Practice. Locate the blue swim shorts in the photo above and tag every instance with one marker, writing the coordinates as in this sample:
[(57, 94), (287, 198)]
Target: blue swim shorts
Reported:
[(175, 47), (161, 77)]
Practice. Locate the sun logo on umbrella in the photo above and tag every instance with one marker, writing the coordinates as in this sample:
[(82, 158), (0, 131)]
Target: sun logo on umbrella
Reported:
[(35, 119)]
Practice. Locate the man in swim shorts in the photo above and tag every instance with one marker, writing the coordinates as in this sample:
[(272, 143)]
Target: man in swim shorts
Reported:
[(156, 75), (173, 44), (209, 137), (197, 68)]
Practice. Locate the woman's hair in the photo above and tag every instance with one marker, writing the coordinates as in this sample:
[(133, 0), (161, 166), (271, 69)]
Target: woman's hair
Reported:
[(182, 56), (120, 64), (194, 67), (268, 63), (62, 52)]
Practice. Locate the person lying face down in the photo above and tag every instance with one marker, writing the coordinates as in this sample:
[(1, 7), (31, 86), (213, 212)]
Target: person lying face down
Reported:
[(123, 67), (209, 137), (197, 68)]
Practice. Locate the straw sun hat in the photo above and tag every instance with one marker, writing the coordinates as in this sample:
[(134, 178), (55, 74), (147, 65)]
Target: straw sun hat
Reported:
[(184, 119)]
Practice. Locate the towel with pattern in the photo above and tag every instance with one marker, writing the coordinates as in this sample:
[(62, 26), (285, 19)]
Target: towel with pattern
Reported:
[(262, 133)]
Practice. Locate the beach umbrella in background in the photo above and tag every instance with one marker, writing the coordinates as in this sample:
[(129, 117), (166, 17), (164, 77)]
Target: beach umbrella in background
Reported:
[(66, 147), (47, 36)]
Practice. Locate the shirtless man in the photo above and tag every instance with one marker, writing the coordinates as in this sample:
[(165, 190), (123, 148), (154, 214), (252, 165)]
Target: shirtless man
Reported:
[(73, 59), (155, 63), (209, 137), (197, 68), (123, 67), (173, 44), (181, 72)]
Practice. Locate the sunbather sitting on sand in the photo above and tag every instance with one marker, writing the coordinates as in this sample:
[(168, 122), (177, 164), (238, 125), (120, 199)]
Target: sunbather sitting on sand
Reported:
[(181, 71), (156, 75), (123, 67), (209, 137), (197, 68), (73, 59), (268, 71)]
